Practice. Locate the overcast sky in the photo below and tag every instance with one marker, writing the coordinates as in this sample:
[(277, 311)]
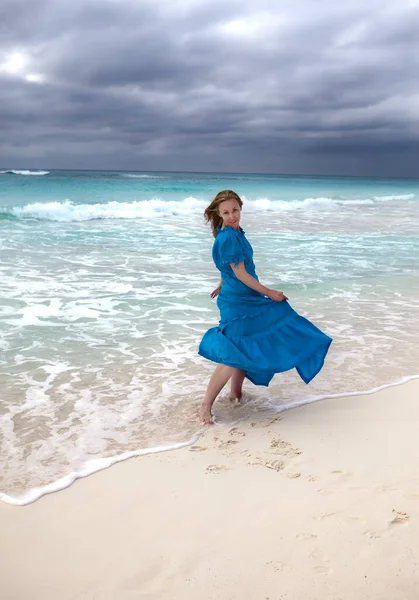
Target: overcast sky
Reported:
[(310, 87)]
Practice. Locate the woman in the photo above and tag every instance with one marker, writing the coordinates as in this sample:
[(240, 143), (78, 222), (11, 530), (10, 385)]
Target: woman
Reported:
[(259, 334)]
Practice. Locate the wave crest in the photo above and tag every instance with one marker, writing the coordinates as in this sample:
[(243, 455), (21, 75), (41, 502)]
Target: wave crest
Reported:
[(23, 172), (68, 211), (137, 176), (396, 197)]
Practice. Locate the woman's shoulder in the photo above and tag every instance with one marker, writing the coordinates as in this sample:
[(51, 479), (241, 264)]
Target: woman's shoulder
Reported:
[(228, 232), (226, 237)]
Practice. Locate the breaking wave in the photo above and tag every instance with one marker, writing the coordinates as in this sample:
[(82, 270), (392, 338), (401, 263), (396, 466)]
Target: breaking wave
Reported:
[(68, 211), (138, 176), (23, 172), (399, 197)]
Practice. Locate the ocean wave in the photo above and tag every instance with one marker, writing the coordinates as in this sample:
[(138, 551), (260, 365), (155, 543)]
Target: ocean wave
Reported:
[(136, 176), (68, 211), (273, 205), (396, 197), (23, 172)]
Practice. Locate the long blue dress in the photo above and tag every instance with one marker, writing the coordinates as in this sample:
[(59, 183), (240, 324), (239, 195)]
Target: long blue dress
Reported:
[(255, 333)]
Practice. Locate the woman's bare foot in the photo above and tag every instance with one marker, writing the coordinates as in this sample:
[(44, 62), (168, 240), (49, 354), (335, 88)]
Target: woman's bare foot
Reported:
[(236, 400), (205, 415), (216, 383)]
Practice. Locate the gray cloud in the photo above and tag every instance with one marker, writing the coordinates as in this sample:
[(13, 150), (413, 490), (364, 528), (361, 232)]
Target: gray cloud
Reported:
[(309, 87)]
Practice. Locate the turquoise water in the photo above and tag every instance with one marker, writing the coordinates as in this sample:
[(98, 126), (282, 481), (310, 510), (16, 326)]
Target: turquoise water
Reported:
[(105, 282)]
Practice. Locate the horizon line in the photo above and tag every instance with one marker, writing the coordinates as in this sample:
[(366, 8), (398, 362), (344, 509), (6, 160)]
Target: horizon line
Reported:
[(215, 173)]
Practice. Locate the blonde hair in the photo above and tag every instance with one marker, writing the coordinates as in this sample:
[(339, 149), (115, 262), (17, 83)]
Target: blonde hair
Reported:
[(212, 214)]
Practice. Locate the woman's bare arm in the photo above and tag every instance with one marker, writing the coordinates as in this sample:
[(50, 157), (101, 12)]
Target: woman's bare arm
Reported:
[(243, 276), (215, 292)]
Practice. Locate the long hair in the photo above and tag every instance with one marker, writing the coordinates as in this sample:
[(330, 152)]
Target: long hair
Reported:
[(211, 212)]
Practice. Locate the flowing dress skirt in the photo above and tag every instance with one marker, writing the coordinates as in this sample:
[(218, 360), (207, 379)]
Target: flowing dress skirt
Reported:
[(263, 337)]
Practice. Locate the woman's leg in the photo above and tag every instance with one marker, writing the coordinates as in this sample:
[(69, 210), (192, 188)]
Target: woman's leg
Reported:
[(236, 384), (218, 380)]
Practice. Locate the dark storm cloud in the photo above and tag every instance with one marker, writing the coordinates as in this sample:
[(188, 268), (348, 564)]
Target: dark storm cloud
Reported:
[(203, 85)]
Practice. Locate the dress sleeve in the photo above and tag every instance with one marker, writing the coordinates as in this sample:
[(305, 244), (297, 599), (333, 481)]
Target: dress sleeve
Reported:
[(230, 250)]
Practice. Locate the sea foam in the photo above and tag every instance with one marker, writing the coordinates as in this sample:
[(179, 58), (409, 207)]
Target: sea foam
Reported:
[(141, 176), (23, 172), (69, 211), (99, 464)]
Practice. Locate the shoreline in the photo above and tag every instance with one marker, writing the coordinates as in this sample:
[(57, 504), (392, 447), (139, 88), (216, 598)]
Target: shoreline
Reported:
[(99, 464), (317, 502)]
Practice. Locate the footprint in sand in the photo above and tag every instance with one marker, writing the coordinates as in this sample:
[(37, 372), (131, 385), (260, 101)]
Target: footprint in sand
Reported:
[(325, 491), (278, 443), (197, 448), (341, 475), (284, 448), (227, 444), (325, 515), (275, 465), (399, 518), (236, 431), (215, 469), (372, 534), (322, 567), (312, 478), (278, 566), (246, 454), (306, 536)]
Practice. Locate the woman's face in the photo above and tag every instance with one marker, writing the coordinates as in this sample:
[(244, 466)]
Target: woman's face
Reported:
[(229, 211)]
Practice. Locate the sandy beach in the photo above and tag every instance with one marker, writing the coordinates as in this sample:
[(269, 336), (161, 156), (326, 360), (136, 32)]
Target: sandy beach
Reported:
[(321, 502)]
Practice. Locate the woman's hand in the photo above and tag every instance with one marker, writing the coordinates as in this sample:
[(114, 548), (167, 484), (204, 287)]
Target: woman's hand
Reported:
[(276, 296), (215, 292)]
